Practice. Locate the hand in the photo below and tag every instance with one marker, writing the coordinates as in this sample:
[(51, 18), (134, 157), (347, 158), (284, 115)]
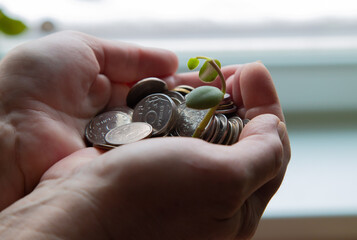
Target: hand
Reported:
[(50, 89), (168, 187)]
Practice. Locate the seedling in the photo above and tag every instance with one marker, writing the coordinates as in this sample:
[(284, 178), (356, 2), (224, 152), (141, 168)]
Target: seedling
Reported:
[(10, 26), (205, 97)]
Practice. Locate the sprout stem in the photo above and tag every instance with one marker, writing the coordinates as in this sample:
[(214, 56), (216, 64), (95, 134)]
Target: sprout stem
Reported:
[(201, 127), (216, 67)]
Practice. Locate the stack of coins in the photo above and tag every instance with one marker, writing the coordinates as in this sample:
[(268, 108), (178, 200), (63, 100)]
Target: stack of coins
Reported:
[(154, 111)]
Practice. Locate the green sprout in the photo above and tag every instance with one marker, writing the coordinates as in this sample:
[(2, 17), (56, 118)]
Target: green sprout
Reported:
[(205, 97), (10, 26)]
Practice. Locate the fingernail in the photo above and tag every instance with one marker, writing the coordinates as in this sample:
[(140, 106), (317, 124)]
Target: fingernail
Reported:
[(281, 130), (259, 61)]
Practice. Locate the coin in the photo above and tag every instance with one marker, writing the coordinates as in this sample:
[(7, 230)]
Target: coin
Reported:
[(241, 124), (245, 121), (167, 115), (210, 129), (188, 120), (175, 96), (223, 129), (159, 110), (229, 136), (183, 91), (226, 99), (101, 124), (124, 109), (144, 88), (187, 87), (237, 124), (216, 129), (128, 133), (104, 146)]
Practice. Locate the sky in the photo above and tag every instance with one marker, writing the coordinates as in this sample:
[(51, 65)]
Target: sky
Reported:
[(79, 11)]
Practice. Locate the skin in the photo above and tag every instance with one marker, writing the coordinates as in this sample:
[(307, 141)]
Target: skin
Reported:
[(54, 187)]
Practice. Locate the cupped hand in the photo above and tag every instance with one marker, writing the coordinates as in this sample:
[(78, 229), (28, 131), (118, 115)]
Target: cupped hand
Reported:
[(50, 88), (168, 188)]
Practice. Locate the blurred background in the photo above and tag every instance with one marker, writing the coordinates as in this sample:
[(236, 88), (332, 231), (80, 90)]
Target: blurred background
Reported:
[(310, 48)]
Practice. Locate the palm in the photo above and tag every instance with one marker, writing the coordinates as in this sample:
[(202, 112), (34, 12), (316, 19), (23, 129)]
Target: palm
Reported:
[(55, 86), (204, 186)]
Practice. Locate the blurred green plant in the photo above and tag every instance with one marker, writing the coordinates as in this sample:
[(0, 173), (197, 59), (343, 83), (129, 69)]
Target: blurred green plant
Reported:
[(10, 26)]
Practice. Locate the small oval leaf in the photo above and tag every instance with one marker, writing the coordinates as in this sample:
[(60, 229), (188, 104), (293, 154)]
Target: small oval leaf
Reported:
[(204, 97), (218, 63), (193, 63), (11, 26), (207, 72)]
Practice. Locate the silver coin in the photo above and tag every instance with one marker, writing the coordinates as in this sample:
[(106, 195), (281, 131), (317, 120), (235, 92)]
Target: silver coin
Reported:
[(222, 130), (241, 124), (128, 133), (175, 95), (232, 109), (215, 130), (104, 146), (229, 136), (238, 126), (176, 101), (210, 129), (188, 120), (144, 88), (124, 109), (226, 99), (159, 110), (245, 121), (101, 124), (234, 131)]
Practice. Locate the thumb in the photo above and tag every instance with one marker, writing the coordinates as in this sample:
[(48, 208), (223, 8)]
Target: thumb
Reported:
[(260, 150), (71, 163)]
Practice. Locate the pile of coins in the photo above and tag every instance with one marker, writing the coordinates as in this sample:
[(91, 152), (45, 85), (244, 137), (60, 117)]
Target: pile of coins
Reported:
[(154, 111)]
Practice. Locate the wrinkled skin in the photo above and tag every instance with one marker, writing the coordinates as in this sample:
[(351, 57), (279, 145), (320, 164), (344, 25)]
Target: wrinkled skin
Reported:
[(53, 186)]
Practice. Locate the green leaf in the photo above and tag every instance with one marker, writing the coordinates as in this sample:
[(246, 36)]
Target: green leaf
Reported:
[(204, 97), (11, 26), (207, 72), (193, 63)]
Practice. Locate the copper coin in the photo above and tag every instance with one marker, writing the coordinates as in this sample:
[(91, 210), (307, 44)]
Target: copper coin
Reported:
[(187, 87), (183, 91)]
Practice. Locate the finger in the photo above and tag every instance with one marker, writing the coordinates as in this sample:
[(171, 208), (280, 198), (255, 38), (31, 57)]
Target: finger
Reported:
[(191, 78), (123, 62), (254, 92), (99, 92), (260, 151), (118, 96)]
